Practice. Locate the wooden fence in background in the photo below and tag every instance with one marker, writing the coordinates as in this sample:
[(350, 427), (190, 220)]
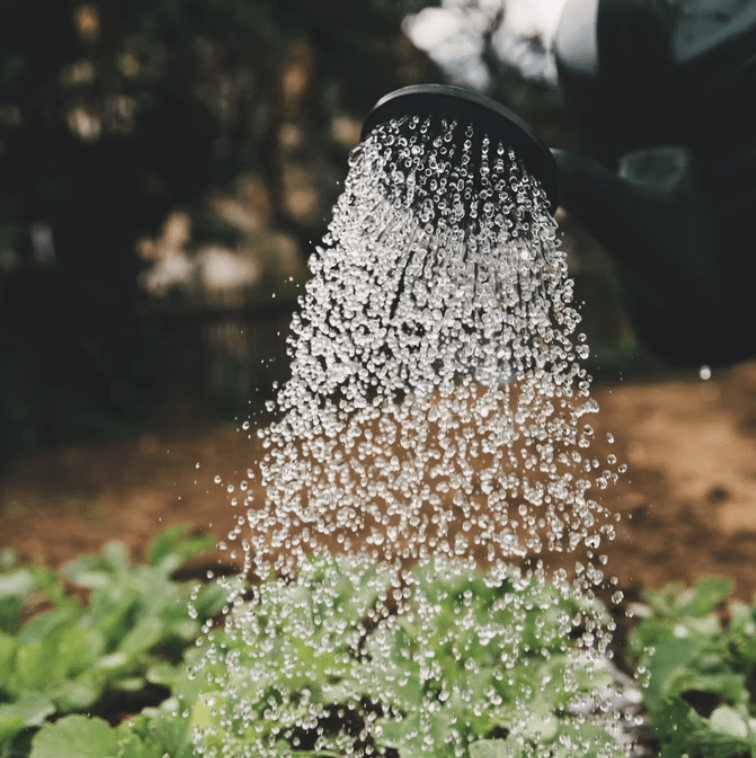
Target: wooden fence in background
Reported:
[(222, 347)]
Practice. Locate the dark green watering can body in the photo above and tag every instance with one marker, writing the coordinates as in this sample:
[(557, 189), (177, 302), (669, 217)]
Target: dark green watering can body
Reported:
[(664, 95)]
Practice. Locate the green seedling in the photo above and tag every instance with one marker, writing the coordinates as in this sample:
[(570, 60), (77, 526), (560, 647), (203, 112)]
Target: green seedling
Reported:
[(695, 651), (75, 658)]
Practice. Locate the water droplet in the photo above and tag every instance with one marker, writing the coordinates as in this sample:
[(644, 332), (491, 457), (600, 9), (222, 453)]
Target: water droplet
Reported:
[(430, 423)]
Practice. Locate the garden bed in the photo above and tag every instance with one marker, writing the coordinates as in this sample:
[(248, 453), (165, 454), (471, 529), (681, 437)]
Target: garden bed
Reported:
[(687, 499)]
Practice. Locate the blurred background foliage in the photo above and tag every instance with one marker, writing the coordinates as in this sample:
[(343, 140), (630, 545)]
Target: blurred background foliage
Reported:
[(154, 148)]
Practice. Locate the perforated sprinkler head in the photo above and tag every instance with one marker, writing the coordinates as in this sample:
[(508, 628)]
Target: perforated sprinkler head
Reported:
[(439, 103)]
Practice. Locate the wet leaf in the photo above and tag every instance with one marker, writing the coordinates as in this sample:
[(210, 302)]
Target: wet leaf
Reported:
[(507, 748)]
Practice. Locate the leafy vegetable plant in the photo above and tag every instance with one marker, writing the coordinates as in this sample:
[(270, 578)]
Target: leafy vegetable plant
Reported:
[(324, 662), (303, 665), (76, 658), (695, 653), (322, 666)]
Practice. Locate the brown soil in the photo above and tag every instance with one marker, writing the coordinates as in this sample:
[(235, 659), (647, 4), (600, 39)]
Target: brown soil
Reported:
[(688, 499)]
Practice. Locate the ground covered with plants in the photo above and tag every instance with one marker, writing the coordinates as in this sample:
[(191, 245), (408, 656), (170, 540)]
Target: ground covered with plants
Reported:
[(98, 629), (99, 660)]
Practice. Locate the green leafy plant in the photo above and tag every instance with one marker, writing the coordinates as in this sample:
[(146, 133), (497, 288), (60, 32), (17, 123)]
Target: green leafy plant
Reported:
[(298, 663), (75, 658), (695, 653), (301, 663), (321, 666), (78, 736)]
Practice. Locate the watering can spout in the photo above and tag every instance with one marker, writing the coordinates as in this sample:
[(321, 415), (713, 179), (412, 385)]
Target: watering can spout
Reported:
[(680, 289), (653, 217), (651, 214)]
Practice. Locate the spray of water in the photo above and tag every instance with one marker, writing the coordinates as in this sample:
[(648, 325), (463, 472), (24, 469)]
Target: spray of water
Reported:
[(435, 421)]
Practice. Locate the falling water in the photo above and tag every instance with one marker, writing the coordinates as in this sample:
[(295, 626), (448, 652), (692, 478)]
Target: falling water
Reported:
[(436, 416)]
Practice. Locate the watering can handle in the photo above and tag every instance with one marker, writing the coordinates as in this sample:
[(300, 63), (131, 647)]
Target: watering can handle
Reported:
[(635, 30)]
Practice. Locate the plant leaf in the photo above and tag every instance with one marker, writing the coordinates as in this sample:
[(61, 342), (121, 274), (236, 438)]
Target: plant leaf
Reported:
[(507, 748), (31, 709), (175, 541), (10, 726), (7, 659), (14, 589), (65, 652), (76, 737), (88, 571), (707, 593), (142, 637), (729, 721), (75, 695), (116, 554)]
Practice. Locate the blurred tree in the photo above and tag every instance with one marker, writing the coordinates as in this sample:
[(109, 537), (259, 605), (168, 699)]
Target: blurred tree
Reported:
[(476, 47), (114, 112)]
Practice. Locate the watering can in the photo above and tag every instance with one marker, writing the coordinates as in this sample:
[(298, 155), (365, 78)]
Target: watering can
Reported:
[(663, 93)]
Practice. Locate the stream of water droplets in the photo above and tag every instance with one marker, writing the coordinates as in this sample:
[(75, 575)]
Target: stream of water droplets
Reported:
[(436, 416)]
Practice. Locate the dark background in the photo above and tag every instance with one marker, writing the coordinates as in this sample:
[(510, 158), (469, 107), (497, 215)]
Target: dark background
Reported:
[(117, 115)]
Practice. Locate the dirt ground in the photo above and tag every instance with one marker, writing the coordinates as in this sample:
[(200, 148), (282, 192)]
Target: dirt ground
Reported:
[(688, 499)]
